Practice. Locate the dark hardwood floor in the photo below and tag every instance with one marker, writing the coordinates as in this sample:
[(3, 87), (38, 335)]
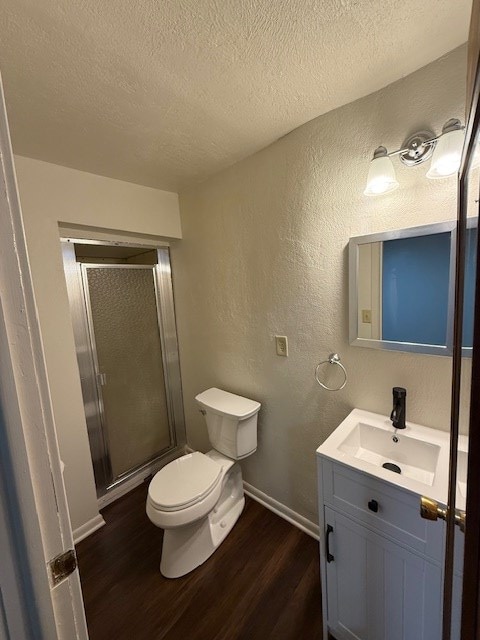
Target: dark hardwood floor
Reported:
[(262, 583)]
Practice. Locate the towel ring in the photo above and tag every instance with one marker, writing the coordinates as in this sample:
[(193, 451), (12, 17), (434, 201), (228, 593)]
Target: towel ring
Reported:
[(333, 358)]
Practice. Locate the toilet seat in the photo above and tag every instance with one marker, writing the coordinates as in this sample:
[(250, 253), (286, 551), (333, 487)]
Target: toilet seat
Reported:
[(184, 482)]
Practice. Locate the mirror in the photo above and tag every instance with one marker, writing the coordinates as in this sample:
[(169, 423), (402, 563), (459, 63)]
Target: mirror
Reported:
[(402, 289)]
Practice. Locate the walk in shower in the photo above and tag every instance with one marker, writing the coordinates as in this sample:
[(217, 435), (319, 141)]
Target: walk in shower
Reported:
[(121, 302)]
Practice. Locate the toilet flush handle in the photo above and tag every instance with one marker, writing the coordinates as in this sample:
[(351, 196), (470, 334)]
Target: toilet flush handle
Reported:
[(203, 412)]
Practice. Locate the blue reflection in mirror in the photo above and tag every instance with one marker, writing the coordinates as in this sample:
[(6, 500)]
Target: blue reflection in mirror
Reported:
[(415, 286)]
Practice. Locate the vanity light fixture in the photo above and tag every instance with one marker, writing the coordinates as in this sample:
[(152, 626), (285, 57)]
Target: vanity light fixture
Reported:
[(445, 151)]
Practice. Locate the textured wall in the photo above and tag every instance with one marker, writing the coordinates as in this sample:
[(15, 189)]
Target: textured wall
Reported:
[(264, 252), (51, 194)]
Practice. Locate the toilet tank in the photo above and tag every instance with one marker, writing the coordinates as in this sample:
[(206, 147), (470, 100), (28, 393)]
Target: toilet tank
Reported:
[(231, 422)]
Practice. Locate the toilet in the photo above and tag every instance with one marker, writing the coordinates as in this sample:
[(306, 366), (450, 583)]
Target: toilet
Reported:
[(198, 498)]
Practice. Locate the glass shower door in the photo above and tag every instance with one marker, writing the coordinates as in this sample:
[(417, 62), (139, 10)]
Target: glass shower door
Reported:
[(123, 322)]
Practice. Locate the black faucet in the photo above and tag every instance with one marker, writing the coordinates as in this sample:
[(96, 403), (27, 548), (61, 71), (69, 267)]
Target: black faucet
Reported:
[(399, 412)]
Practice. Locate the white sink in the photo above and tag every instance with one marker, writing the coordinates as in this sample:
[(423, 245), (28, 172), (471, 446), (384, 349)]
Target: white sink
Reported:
[(415, 458), (365, 441)]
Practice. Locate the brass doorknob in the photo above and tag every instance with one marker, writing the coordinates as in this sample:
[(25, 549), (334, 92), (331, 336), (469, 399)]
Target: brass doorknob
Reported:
[(430, 510), (460, 519)]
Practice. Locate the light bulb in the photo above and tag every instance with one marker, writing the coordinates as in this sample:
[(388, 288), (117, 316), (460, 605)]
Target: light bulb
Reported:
[(381, 174), (447, 155)]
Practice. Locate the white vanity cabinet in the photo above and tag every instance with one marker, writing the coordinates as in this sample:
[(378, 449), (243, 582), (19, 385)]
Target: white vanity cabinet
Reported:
[(381, 563)]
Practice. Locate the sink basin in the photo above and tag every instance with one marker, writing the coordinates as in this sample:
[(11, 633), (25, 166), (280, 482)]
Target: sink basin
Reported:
[(365, 441), (415, 458)]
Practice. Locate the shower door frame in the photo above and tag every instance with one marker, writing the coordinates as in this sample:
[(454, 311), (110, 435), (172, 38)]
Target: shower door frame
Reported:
[(82, 320)]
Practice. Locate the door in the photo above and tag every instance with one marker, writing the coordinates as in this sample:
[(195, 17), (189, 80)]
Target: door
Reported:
[(123, 320), (461, 588), (469, 466), (35, 521), (377, 589)]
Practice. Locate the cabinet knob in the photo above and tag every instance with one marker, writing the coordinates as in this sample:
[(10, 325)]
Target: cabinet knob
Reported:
[(373, 506)]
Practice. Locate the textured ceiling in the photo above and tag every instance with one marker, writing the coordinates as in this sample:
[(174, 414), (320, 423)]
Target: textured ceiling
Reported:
[(168, 92)]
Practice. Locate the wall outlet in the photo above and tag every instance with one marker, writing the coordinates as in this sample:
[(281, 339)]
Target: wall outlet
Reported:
[(367, 316), (281, 343)]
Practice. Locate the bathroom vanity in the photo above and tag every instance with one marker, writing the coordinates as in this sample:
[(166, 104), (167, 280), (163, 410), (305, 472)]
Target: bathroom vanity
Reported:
[(381, 563)]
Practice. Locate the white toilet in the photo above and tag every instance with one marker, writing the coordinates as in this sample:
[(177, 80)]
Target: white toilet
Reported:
[(198, 498)]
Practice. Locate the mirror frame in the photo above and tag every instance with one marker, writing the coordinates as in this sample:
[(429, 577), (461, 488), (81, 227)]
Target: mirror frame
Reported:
[(353, 262)]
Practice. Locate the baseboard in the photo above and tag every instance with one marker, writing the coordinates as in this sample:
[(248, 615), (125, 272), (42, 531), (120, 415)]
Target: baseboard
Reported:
[(88, 528), (281, 510), (305, 525)]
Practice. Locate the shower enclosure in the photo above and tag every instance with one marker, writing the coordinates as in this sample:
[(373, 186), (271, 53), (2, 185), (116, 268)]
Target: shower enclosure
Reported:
[(121, 301)]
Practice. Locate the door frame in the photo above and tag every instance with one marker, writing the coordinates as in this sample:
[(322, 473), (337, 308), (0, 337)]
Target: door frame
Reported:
[(33, 491), (471, 568), (86, 351)]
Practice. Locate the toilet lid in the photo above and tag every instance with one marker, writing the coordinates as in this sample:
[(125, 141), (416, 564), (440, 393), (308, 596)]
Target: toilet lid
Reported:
[(184, 481)]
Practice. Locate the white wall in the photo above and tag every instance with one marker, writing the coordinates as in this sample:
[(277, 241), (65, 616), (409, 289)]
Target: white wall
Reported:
[(264, 252), (92, 206)]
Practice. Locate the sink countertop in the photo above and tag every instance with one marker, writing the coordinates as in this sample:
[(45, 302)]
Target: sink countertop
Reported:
[(438, 490)]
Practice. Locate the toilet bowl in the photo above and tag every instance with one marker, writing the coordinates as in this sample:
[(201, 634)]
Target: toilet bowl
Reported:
[(198, 497)]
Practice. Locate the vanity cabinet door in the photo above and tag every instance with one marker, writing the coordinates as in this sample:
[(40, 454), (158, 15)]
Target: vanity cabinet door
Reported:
[(378, 590)]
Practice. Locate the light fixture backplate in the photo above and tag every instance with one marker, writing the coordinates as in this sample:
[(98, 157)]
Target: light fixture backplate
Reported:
[(418, 148)]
